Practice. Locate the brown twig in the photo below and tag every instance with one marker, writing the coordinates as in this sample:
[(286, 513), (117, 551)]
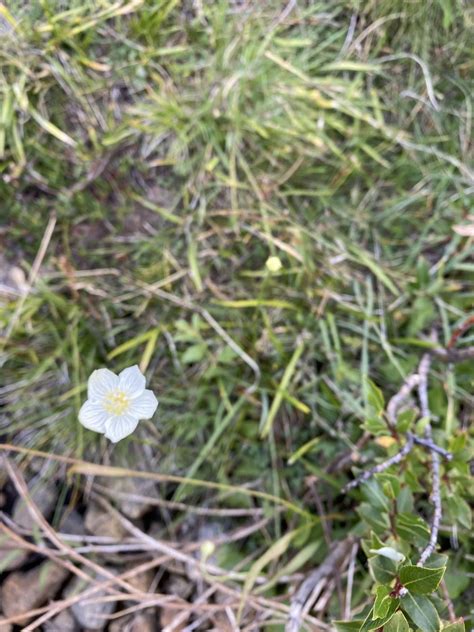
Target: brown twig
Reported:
[(458, 332), (56, 607), (22, 489), (315, 582)]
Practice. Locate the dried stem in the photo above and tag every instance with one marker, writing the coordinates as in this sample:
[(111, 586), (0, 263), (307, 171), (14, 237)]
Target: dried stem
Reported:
[(313, 585), (400, 398), (381, 467), (453, 355), (423, 371), (429, 443)]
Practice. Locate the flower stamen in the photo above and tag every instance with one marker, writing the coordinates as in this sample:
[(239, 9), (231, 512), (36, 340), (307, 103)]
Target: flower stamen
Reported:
[(116, 403)]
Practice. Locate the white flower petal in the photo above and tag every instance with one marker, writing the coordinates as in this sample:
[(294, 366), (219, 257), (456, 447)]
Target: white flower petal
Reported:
[(93, 416), (144, 406), (117, 428), (132, 381), (101, 382)]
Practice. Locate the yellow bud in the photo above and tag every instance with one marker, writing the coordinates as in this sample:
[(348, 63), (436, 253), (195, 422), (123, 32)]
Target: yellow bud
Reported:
[(207, 549), (273, 264), (385, 442)]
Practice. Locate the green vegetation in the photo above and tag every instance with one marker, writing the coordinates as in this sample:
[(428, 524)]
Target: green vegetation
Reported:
[(161, 152)]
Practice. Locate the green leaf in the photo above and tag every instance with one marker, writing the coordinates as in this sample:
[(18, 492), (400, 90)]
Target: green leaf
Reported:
[(374, 494), (457, 581), (374, 517), (422, 273), (419, 580), (382, 569), (460, 511), (282, 387), (422, 612), (375, 397), (348, 626), (405, 420), (301, 451), (421, 314), (375, 425), (436, 560), (397, 623), (390, 553), (411, 528), (374, 624), (405, 501), (457, 626), (194, 353), (382, 602), (390, 484), (421, 425)]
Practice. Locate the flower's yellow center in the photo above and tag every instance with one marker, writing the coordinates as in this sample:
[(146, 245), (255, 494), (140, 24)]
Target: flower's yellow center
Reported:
[(116, 403)]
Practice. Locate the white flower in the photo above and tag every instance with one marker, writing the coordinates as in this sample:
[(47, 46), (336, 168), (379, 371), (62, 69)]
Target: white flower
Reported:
[(116, 403)]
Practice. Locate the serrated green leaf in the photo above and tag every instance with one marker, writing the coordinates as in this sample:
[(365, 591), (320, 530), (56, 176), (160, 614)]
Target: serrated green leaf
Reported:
[(420, 580), (397, 623), (422, 612)]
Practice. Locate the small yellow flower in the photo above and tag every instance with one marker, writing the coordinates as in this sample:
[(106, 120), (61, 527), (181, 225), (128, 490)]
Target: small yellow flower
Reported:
[(273, 264)]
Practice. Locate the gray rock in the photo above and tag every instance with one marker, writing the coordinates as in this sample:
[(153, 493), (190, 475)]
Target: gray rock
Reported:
[(120, 488), (21, 592), (141, 622), (72, 523), (12, 557), (91, 616), (99, 522), (43, 497), (63, 622)]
